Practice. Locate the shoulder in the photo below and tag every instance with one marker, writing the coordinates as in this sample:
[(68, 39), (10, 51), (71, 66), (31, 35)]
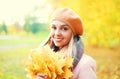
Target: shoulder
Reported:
[(87, 60), (85, 69)]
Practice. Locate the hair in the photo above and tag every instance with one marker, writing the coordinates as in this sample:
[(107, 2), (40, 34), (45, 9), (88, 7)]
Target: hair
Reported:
[(73, 49)]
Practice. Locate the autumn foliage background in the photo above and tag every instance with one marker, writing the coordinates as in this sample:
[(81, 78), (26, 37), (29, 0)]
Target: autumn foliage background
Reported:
[(101, 20)]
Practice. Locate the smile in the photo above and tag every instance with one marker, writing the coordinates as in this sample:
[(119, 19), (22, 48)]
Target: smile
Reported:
[(58, 39)]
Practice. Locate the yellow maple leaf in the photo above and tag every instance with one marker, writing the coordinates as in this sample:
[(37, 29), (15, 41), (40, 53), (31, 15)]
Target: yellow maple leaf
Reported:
[(54, 65)]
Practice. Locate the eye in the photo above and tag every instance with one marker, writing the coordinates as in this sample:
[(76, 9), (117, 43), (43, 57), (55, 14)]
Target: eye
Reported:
[(53, 27), (65, 28)]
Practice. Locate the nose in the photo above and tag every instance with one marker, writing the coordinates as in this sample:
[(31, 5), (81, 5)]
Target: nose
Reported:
[(57, 32)]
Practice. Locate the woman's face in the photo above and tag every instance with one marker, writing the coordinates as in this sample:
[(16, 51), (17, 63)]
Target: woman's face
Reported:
[(60, 33)]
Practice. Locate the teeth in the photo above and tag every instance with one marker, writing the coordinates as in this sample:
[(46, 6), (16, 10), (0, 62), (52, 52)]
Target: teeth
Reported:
[(58, 39)]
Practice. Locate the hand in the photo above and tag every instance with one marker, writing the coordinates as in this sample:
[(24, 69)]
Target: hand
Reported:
[(41, 76)]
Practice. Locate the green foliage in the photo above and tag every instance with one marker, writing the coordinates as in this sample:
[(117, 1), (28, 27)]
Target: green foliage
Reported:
[(37, 27), (32, 25), (28, 21), (3, 27)]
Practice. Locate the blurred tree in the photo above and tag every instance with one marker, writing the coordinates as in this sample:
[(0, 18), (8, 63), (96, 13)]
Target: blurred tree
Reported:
[(3, 28), (37, 27), (32, 25), (28, 22), (11, 29), (0, 28), (17, 27)]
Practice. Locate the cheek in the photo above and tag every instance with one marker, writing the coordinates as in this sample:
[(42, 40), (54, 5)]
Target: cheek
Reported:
[(52, 33), (68, 36)]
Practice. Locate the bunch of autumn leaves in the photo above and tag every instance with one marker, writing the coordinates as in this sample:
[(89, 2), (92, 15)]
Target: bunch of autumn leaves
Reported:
[(54, 65)]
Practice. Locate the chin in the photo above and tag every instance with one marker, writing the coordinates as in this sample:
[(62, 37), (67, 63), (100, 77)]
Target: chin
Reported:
[(58, 45)]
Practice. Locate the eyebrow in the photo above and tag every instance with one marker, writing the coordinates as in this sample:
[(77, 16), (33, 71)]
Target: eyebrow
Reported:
[(65, 25), (61, 24)]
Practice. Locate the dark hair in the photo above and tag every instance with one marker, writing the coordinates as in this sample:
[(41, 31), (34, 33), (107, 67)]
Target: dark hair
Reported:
[(55, 48)]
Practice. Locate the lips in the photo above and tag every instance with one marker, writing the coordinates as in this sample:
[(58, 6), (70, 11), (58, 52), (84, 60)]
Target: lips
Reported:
[(58, 39)]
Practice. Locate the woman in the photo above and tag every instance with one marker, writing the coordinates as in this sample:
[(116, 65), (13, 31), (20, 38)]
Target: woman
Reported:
[(66, 29)]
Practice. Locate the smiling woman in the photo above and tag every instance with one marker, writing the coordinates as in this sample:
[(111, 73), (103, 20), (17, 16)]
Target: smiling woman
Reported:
[(15, 10), (65, 37)]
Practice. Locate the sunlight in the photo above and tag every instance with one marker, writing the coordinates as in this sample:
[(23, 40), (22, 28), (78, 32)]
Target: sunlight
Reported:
[(15, 10)]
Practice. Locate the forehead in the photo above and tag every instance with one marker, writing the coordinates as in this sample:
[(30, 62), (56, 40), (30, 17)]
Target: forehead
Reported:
[(58, 23)]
